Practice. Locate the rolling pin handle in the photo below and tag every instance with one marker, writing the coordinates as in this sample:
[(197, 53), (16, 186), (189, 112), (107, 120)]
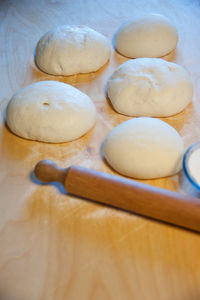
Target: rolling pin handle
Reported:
[(47, 171)]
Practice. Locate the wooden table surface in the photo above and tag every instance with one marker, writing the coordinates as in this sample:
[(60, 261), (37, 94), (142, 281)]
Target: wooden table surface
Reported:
[(54, 246)]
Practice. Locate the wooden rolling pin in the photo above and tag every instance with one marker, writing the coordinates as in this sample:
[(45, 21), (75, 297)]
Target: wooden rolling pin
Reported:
[(126, 194)]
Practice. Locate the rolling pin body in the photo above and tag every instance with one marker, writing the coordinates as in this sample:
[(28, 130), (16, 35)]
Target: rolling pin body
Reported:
[(126, 194)]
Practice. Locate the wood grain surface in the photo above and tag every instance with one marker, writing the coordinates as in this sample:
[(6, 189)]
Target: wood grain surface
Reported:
[(54, 246)]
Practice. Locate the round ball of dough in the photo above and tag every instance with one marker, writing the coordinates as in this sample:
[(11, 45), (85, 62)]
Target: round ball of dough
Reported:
[(149, 87), (70, 49), (50, 111), (144, 148), (148, 35)]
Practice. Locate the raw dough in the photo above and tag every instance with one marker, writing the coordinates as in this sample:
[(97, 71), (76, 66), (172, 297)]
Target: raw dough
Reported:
[(149, 87), (70, 49), (50, 111), (144, 148), (148, 35)]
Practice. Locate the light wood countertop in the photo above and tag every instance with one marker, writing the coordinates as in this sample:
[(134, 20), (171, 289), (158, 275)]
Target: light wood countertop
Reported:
[(54, 246)]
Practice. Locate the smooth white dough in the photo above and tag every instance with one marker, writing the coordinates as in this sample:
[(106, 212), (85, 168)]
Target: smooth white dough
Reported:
[(70, 49), (144, 148), (150, 87), (50, 111), (147, 35)]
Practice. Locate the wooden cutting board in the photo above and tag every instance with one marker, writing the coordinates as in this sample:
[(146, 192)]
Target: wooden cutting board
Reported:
[(54, 246)]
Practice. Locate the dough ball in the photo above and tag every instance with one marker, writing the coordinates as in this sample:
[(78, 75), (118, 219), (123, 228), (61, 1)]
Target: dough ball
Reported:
[(69, 49), (144, 148), (50, 111), (149, 87), (148, 35)]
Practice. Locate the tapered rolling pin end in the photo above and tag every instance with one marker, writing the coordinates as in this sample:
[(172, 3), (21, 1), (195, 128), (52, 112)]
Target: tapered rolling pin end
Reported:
[(47, 171)]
